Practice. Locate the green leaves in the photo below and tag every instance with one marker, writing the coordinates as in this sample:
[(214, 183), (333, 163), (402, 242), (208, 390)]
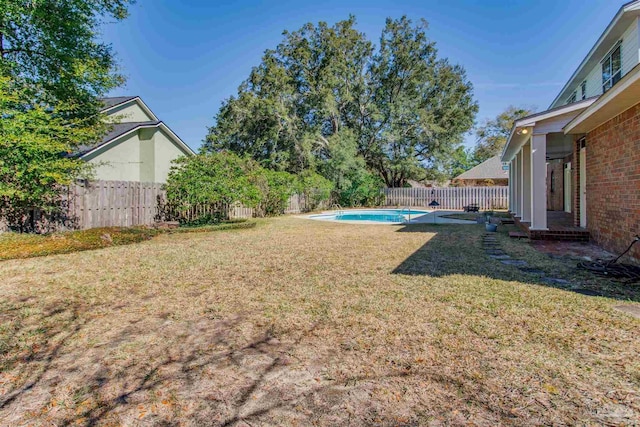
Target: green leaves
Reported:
[(35, 143), (53, 46), (493, 134), (223, 178), (53, 69), (209, 179), (322, 86)]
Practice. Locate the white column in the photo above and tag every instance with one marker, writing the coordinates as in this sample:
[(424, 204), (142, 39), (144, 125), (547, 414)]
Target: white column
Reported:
[(510, 187), (519, 184), (526, 183), (539, 179)]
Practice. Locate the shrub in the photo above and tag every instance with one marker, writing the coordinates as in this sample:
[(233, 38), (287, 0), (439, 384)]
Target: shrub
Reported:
[(277, 188), (362, 189), (204, 219), (315, 188), (206, 184)]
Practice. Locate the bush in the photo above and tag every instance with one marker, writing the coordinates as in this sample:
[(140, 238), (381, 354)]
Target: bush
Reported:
[(204, 219), (201, 188), (206, 184), (361, 189), (316, 190), (277, 188)]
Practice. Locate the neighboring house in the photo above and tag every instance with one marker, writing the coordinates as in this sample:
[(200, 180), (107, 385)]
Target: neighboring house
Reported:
[(487, 173), (428, 183), (139, 147), (589, 140)]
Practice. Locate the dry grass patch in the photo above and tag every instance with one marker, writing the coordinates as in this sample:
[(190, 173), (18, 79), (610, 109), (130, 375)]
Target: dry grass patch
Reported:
[(300, 322)]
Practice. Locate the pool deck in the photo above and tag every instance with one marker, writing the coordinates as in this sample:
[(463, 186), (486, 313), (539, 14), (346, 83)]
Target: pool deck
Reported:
[(436, 217), (433, 217)]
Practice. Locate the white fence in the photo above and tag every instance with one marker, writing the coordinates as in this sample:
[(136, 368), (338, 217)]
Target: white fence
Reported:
[(449, 198)]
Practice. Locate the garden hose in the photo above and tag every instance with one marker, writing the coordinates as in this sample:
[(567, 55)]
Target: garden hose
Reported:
[(614, 269)]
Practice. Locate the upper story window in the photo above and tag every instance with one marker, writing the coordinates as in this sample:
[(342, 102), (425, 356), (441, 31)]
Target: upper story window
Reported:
[(572, 98), (611, 69), (583, 90)]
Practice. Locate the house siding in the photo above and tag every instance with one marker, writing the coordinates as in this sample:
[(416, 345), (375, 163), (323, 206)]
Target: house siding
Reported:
[(128, 113), (613, 182), (165, 152), (119, 161), (143, 156), (630, 58)]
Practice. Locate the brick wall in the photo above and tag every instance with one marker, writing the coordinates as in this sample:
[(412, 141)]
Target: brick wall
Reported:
[(613, 182)]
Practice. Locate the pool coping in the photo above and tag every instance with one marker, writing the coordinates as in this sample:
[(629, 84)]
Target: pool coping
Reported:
[(427, 218)]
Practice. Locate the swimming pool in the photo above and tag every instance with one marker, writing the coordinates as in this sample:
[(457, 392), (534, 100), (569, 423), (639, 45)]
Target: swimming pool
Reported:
[(386, 216)]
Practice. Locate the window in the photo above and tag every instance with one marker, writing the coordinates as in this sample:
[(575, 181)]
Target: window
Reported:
[(572, 98), (583, 90), (611, 68)]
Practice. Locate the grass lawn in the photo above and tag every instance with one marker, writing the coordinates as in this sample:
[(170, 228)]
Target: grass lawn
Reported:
[(299, 322), (17, 245)]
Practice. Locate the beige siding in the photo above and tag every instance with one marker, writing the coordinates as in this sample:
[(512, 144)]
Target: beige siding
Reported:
[(630, 58), (120, 161), (129, 112), (165, 152), (143, 156)]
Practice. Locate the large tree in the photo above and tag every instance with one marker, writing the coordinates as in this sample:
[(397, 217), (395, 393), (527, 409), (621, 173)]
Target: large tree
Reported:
[(53, 69), (493, 134), (53, 48), (324, 88)]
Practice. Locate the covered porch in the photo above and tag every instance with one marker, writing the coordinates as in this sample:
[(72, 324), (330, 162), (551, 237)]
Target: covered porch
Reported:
[(535, 141), (560, 226)]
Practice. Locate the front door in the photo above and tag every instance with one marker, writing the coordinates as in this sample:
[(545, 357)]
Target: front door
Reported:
[(567, 187), (583, 187)]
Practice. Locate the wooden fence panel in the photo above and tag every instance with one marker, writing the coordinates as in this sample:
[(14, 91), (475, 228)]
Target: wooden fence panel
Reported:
[(453, 198), (125, 204)]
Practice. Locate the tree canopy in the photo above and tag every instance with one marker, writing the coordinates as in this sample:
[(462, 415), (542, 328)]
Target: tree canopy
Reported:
[(493, 134), (53, 47), (325, 94), (53, 69)]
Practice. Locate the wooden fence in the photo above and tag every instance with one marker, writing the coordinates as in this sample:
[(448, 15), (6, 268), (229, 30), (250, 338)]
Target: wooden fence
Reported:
[(113, 203), (125, 203), (449, 197)]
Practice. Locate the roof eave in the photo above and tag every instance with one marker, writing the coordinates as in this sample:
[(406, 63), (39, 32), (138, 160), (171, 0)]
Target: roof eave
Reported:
[(623, 95), (185, 148), (516, 140)]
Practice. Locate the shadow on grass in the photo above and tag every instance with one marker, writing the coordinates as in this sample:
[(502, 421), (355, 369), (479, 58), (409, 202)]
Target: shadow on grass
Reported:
[(227, 382), (452, 249)]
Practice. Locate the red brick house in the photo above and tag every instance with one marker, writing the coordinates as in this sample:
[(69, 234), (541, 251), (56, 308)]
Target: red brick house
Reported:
[(575, 168)]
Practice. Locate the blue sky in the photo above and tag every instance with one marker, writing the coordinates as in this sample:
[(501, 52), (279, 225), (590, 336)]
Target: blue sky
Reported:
[(185, 57)]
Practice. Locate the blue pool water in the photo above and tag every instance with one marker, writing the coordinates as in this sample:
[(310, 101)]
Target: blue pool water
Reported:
[(388, 216)]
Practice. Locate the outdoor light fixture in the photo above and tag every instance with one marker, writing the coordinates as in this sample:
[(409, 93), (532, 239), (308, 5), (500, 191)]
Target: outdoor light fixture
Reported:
[(522, 131)]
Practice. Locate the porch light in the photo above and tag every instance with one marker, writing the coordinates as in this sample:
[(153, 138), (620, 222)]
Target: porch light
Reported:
[(522, 131)]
